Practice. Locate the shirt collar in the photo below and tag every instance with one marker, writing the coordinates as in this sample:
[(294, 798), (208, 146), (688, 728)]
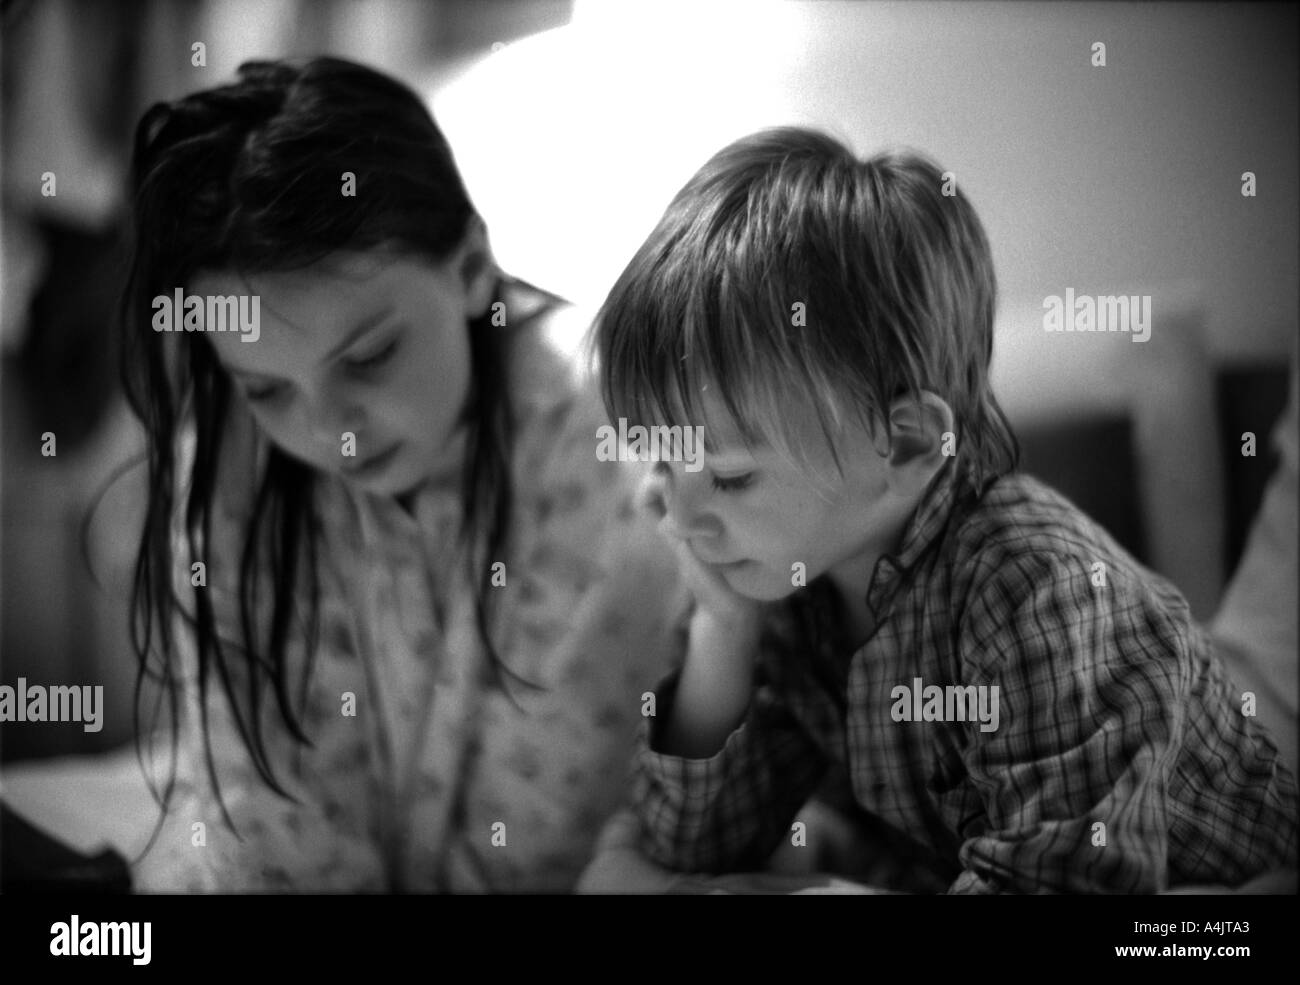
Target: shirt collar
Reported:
[(923, 530), (431, 512)]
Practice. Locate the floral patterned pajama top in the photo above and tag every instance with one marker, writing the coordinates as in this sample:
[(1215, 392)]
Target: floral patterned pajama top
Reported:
[(428, 772)]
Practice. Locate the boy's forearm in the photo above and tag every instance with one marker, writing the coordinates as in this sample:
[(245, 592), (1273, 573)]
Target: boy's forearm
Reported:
[(714, 688), (714, 797)]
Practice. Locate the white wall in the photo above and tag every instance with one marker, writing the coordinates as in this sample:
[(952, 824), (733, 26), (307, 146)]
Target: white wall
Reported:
[(1100, 179)]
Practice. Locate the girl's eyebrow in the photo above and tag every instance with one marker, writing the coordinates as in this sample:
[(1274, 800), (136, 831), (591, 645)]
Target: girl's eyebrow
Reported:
[(360, 329), (253, 377)]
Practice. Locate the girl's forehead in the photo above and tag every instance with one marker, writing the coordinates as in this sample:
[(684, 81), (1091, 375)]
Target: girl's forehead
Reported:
[(330, 290), (340, 275), (306, 314)]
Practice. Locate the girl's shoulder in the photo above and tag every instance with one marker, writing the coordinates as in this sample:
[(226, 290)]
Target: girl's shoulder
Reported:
[(552, 384), (546, 361), (558, 413)]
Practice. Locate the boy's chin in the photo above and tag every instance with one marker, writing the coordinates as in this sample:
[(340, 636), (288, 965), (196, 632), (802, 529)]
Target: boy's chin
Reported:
[(758, 583)]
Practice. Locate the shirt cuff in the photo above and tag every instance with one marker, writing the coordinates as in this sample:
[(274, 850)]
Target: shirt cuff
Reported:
[(699, 778)]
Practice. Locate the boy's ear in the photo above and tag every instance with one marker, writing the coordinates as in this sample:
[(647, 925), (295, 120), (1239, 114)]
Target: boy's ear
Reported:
[(917, 428), (476, 267)]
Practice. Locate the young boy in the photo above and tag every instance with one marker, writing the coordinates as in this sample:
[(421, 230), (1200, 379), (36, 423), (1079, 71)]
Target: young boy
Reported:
[(1015, 700)]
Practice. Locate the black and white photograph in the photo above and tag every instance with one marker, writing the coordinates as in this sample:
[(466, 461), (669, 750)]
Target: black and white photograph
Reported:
[(624, 448)]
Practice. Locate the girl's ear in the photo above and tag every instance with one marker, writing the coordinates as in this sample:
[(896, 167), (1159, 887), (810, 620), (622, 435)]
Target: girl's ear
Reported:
[(476, 268)]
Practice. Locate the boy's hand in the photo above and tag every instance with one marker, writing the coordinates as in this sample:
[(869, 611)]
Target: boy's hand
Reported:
[(717, 676), (619, 866), (711, 593), (715, 600)]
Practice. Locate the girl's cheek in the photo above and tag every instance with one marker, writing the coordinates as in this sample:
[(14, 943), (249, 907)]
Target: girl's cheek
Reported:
[(273, 426), (291, 439)]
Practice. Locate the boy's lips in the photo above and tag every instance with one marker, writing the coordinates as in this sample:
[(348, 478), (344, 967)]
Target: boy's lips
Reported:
[(729, 565), (716, 564)]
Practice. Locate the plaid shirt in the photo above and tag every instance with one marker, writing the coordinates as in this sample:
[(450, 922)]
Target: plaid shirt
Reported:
[(1121, 761)]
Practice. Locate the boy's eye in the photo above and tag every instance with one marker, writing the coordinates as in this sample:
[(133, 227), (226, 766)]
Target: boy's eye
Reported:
[(375, 359), (733, 483)]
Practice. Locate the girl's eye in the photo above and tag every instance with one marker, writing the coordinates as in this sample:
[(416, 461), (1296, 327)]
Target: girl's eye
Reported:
[(377, 359), (733, 483), (264, 393)]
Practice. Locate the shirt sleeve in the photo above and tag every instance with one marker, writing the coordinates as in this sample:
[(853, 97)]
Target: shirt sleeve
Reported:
[(728, 812), (1090, 678)]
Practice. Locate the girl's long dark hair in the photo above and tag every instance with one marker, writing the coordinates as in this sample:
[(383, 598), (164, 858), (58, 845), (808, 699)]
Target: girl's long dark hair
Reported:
[(248, 177)]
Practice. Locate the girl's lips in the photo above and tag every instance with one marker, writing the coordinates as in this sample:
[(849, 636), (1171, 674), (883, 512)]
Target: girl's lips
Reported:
[(375, 463)]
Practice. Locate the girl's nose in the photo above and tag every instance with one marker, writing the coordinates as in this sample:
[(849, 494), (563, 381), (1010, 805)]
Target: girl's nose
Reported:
[(332, 417)]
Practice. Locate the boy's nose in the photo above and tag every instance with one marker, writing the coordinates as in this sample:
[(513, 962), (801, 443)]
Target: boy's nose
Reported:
[(675, 502), (653, 493)]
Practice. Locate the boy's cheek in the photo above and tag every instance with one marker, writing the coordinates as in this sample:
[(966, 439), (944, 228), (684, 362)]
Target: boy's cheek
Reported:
[(764, 581), (775, 554)]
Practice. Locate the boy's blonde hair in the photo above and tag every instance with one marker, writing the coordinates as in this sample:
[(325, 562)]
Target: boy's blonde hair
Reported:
[(796, 279)]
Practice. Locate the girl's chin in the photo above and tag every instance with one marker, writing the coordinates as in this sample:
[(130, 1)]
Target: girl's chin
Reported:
[(406, 482)]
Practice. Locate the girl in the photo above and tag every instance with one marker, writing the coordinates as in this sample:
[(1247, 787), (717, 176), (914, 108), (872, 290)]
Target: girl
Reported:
[(399, 617)]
